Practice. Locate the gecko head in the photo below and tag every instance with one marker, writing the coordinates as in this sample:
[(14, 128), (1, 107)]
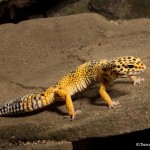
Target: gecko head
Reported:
[(128, 66)]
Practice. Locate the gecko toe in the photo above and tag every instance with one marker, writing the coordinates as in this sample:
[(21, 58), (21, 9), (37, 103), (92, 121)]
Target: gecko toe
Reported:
[(72, 115), (138, 81), (114, 104)]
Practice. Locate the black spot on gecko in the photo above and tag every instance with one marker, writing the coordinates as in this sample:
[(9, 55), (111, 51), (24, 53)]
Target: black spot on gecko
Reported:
[(104, 69), (105, 75), (42, 94)]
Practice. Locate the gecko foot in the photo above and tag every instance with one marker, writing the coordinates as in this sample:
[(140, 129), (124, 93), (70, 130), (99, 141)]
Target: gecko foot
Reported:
[(114, 104), (72, 115), (138, 80), (77, 112)]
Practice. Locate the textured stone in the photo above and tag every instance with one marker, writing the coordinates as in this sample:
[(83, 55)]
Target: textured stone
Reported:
[(35, 54)]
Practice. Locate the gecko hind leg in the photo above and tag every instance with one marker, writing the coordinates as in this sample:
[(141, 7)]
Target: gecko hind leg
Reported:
[(64, 96)]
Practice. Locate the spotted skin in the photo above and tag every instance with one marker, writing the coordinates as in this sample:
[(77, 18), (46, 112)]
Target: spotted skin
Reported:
[(90, 73)]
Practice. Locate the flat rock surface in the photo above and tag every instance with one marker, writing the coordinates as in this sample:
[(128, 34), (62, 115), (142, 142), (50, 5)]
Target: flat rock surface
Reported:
[(35, 54)]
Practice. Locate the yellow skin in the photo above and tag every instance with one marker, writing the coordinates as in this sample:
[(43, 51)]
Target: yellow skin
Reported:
[(94, 72)]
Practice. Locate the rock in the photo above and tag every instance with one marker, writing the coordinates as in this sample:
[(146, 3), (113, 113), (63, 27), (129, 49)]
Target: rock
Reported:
[(14, 11), (40, 145), (35, 54), (122, 9)]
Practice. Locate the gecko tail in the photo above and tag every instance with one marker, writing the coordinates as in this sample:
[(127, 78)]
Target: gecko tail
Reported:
[(12, 107), (27, 103)]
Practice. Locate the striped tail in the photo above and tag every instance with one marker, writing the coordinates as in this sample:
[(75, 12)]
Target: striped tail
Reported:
[(28, 103)]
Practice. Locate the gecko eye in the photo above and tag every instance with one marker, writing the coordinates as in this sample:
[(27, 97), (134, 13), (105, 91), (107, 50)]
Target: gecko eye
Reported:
[(130, 66)]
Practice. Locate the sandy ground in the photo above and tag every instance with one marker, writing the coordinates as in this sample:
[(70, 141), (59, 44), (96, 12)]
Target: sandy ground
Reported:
[(35, 54)]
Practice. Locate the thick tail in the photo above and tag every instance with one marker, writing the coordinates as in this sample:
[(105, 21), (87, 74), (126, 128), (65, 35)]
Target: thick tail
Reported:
[(28, 103)]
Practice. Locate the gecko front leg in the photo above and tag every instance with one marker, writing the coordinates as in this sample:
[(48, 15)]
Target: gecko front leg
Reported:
[(137, 80), (106, 97)]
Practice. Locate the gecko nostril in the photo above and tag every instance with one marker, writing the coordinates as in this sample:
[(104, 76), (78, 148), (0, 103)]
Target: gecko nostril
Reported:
[(142, 67)]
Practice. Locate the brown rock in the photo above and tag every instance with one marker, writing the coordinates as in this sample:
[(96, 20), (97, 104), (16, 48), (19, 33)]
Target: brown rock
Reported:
[(121, 9), (37, 53)]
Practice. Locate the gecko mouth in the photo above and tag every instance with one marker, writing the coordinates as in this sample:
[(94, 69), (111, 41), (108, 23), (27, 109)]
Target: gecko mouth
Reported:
[(141, 71), (136, 72)]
